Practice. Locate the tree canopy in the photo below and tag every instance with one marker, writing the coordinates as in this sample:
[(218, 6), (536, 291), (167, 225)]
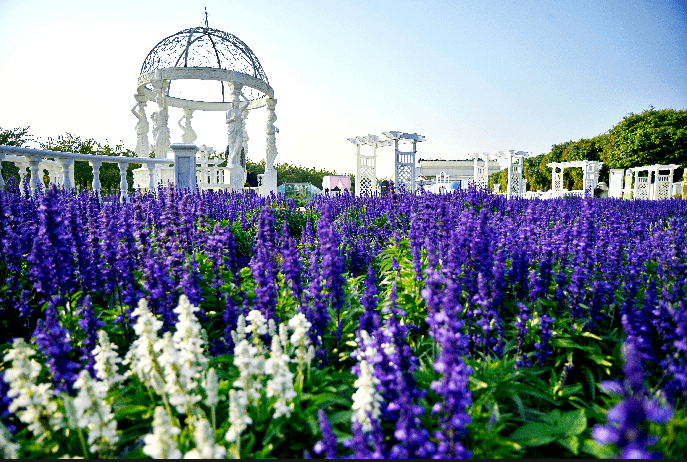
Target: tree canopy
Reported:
[(652, 137)]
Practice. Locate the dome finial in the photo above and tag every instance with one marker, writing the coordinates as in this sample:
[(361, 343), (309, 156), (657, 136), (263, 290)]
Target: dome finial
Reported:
[(206, 17)]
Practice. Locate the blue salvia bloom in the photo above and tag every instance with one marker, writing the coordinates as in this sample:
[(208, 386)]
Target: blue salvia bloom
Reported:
[(80, 248), (331, 262), (369, 320), (263, 265), (453, 385), (220, 248), (625, 420), (328, 442), (126, 264), (521, 329), (368, 445), (290, 264), (316, 312), (160, 287), (90, 325), (677, 363), (51, 261), (108, 250), (54, 341), (190, 284), (543, 347)]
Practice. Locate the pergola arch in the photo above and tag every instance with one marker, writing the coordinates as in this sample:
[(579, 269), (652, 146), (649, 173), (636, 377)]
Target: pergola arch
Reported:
[(590, 170)]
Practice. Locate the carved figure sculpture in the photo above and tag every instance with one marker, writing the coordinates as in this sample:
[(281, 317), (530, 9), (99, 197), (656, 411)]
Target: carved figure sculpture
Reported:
[(271, 130), (189, 135), (160, 119), (142, 128), (235, 132)]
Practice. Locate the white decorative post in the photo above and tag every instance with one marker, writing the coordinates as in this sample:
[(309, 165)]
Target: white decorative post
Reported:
[(160, 119), (142, 126), (123, 184), (95, 165), (404, 161), (627, 190), (185, 165), (151, 176), (615, 183), (269, 178), (67, 173), (590, 176), (34, 162), (516, 183), (235, 139)]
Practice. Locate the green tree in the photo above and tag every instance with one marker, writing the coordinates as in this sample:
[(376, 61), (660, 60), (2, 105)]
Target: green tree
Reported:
[(13, 137), (287, 173)]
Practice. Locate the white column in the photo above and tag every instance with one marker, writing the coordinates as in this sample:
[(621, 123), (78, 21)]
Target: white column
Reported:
[(357, 171), (474, 173), (636, 186), (34, 162), (269, 179), (123, 184), (95, 166), (66, 173), (151, 177)]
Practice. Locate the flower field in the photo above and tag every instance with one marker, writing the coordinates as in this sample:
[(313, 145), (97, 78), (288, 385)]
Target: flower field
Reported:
[(213, 324)]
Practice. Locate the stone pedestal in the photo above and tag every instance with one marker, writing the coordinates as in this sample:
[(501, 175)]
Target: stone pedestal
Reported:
[(184, 165), (237, 177), (269, 182)]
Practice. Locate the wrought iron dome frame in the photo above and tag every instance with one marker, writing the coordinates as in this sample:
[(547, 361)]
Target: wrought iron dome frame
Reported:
[(206, 48)]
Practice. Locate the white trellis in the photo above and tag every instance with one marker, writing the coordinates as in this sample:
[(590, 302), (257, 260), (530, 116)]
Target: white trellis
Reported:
[(404, 161), (516, 180), (481, 172), (590, 169), (657, 185), (615, 183)]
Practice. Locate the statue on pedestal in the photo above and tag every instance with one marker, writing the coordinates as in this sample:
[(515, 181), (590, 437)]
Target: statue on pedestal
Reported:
[(189, 135), (142, 128)]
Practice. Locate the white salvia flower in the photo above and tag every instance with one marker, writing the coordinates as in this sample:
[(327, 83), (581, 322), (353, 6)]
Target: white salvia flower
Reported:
[(190, 354), (366, 399), (257, 323), (179, 397), (107, 361), (211, 388), (240, 332), (204, 436), (281, 383), (94, 413), (271, 327), (8, 449), (250, 363), (32, 402), (365, 350), (160, 444), (141, 356), (284, 334), (238, 417), (299, 339)]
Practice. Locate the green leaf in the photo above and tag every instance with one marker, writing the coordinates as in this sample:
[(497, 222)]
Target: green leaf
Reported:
[(534, 434), (573, 422), (600, 451), (130, 410), (341, 416), (571, 443)]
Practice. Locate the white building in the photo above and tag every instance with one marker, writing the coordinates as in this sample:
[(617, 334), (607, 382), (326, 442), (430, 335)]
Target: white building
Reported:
[(456, 170)]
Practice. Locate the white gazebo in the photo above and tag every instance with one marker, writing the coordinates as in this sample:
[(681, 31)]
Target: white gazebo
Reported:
[(202, 53), (590, 170)]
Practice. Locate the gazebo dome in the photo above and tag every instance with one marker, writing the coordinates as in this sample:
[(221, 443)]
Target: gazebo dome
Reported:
[(204, 47)]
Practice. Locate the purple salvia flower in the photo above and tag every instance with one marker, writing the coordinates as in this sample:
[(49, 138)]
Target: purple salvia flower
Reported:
[(521, 329), (263, 265), (328, 442), (89, 324), (290, 264), (54, 341), (543, 347), (369, 320)]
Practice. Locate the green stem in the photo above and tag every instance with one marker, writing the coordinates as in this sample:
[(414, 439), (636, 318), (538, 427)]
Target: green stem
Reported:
[(86, 454)]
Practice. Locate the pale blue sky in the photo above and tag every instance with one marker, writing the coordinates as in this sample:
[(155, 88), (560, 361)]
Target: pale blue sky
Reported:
[(469, 76)]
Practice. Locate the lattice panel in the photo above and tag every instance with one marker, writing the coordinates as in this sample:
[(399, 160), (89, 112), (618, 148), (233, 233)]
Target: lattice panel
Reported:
[(557, 181), (514, 185), (404, 173), (642, 188), (366, 180), (663, 187)]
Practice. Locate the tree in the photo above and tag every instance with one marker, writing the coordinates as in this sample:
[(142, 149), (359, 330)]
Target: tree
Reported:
[(287, 173), (13, 137)]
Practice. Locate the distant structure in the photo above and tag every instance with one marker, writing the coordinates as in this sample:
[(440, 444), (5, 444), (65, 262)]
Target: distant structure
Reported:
[(461, 171), (203, 53), (335, 185)]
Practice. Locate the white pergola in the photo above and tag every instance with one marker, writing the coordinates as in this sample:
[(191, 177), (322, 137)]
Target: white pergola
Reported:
[(654, 186), (481, 173), (590, 169), (202, 53), (404, 161)]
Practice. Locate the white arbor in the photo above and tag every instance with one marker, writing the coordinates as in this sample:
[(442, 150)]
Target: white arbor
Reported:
[(516, 180), (202, 53), (590, 169), (404, 161), (658, 183)]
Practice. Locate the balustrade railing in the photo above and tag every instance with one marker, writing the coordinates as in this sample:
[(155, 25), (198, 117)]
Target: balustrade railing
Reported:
[(60, 166)]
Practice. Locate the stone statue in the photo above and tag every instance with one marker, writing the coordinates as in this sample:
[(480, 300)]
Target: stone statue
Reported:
[(189, 135), (271, 131), (142, 128), (160, 118), (235, 132)]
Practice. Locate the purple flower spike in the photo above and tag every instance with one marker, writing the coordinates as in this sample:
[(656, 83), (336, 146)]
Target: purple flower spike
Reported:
[(328, 442)]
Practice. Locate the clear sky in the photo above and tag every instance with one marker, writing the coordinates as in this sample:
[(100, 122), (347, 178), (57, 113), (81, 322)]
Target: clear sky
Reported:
[(469, 75)]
